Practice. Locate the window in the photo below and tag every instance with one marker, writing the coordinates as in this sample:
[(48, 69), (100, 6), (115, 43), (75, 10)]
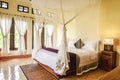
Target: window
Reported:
[(36, 11), (34, 35), (14, 37), (3, 5), (23, 9)]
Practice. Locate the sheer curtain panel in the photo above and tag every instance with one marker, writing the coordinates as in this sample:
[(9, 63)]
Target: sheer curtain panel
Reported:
[(37, 40), (5, 25), (21, 25), (48, 35), (63, 57)]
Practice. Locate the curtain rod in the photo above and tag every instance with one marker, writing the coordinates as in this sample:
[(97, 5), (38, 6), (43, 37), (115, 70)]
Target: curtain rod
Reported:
[(16, 15)]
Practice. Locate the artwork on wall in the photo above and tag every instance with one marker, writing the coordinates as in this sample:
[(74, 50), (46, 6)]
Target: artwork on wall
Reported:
[(23, 9), (3, 5)]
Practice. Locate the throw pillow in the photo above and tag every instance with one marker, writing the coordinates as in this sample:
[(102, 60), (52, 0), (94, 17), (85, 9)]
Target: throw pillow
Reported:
[(79, 44)]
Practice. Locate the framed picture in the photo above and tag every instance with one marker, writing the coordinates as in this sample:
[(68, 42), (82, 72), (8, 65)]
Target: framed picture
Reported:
[(23, 9), (3, 5)]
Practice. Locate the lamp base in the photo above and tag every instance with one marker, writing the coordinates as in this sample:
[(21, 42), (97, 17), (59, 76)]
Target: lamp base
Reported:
[(108, 47)]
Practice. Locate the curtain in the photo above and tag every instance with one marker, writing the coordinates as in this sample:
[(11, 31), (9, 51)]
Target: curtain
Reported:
[(5, 25), (37, 40), (62, 64), (48, 35), (21, 25), (63, 57)]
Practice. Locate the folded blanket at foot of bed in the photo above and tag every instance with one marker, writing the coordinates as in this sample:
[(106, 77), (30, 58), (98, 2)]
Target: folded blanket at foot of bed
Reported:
[(112, 75)]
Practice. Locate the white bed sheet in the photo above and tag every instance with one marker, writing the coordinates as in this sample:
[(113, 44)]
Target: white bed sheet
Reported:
[(86, 56)]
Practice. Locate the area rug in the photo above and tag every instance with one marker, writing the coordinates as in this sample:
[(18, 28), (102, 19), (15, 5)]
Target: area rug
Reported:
[(36, 72)]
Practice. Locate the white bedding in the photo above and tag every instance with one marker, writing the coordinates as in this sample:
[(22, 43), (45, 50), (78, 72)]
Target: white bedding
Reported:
[(86, 56), (49, 58), (46, 57)]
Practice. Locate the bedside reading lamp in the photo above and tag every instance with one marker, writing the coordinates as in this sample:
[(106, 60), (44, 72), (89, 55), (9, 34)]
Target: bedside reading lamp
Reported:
[(110, 44)]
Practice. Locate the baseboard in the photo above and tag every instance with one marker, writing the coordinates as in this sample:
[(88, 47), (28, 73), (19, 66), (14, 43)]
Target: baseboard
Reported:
[(15, 56)]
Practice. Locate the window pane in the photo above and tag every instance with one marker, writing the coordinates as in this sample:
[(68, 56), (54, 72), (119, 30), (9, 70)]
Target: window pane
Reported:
[(4, 5), (20, 8), (16, 38), (8, 39), (25, 9)]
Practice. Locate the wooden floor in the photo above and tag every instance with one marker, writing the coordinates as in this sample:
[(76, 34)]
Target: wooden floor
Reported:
[(10, 70)]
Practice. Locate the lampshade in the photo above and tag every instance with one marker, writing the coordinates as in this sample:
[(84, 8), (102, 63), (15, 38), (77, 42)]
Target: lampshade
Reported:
[(108, 41), (110, 44)]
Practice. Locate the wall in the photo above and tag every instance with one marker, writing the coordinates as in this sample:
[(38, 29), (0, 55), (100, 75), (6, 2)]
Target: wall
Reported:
[(85, 24), (109, 23), (110, 19)]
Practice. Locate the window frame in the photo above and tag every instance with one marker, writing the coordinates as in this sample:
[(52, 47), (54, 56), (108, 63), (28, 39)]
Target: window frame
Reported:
[(23, 9), (2, 4)]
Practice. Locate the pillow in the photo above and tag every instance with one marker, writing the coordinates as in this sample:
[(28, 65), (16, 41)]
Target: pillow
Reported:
[(90, 45), (79, 44), (71, 44)]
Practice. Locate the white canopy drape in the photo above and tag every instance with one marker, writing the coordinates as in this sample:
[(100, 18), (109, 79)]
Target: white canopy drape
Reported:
[(37, 40), (62, 65), (5, 25), (63, 57), (21, 25), (49, 35)]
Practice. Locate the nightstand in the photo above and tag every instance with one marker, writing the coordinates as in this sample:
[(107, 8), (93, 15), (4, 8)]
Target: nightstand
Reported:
[(108, 60)]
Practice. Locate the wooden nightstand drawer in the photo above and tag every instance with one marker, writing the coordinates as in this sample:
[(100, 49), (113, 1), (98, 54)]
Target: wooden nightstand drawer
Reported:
[(107, 60)]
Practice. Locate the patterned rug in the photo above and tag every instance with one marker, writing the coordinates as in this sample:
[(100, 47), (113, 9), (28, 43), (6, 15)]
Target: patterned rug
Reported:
[(36, 72)]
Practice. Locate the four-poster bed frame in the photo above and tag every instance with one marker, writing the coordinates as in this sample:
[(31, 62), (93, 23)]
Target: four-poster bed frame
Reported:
[(67, 63)]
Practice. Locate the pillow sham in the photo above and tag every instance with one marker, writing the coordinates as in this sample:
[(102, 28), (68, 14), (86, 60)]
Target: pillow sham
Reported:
[(71, 44), (90, 45)]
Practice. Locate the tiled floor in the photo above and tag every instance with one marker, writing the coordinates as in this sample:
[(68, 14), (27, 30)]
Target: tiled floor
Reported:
[(10, 70)]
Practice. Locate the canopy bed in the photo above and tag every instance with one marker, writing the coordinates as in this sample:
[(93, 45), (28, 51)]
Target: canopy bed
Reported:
[(65, 61)]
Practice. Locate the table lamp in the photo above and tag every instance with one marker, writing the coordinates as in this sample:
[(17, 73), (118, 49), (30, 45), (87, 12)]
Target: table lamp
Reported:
[(110, 44)]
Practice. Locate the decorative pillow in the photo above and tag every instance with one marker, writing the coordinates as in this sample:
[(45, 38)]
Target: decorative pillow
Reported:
[(90, 45), (71, 44), (79, 44)]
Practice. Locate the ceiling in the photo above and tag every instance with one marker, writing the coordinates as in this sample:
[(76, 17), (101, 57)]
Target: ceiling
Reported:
[(66, 4)]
